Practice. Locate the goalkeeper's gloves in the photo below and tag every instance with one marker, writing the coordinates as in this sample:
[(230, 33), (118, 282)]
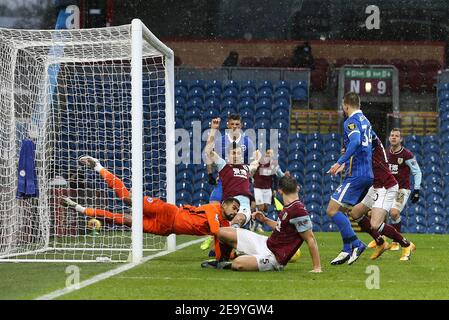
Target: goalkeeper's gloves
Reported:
[(415, 196), (212, 181)]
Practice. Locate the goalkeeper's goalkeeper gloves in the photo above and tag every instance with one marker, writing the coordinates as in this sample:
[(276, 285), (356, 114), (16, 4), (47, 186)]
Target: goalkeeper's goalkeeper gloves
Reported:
[(212, 181), (415, 196)]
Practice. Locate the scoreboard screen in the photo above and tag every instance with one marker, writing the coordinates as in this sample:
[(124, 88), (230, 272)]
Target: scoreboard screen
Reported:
[(369, 81)]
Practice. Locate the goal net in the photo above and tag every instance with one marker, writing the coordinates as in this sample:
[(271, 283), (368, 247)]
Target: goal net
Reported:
[(106, 93)]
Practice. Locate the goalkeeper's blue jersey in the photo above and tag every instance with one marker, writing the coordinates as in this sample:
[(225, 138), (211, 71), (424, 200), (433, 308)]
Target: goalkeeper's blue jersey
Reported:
[(360, 163)]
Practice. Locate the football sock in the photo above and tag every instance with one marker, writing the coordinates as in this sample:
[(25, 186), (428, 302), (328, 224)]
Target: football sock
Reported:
[(347, 233), (365, 225), (391, 233), (116, 217), (396, 224), (114, 183)]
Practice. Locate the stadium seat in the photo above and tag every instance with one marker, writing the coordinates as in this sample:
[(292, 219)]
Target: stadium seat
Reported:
[(280, 123), (193, 114), (230, 84), (228, 103), (313, 208), (196, 92), (213, 84), (332, 146), (262, 123), (211, 103), (280, 114), (180, 102), (265, 84), (265, 93), (248, 92), (263, 103), (313, 166), (194, 102), (281, 94), (230, 92), (281, 103), (312, 186), (295, 165), (200, 197), (179, 122), (329, 227), (184, 185), (200, 176), (436, 229), (180, 91), (313, 146), (247, 123), (213, 93), (299, 93), (282, 84), (185, 175), (313, 197), (297, 137), (183, 197), (197, 84)]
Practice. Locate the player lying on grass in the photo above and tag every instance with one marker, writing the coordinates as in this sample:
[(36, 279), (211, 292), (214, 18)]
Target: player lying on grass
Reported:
[(262, 253), (380, 199), (234, 174), (159, 217)]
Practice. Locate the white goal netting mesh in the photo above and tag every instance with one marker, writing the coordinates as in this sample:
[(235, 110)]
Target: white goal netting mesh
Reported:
[(70, 93)]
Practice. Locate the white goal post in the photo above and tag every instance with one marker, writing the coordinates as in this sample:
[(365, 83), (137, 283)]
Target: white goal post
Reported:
[(107, 93)]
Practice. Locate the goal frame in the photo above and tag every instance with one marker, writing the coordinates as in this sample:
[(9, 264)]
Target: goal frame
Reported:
[(139, 33)]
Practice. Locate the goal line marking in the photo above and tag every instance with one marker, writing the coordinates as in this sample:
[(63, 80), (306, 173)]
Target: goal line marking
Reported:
[(103, 276)]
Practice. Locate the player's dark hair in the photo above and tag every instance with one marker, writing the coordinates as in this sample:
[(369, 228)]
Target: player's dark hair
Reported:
[(234, 116), (230, 200), (288, 184), (396, 129), (352, 99)]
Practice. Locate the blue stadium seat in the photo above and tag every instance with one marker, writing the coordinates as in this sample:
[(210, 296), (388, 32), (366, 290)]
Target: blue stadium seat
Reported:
[(247, 113), (179, 122), (329, 227), (263, 113), (296, 155), (443, 86), (200, 197), (414, 147), (280, 114), (436, 210), (200, 176), (197, 84), (249, 92), (194, 102), (213, 84), (436, 229), (280, 123), (443, 95), (313, 208), (332, 146), (247, 123), (432, 179), (183, 197), (230, 84), (313, 166), (313, 145), (430, 147), (196, 93), (416, 209), (444, 129), (299, 93), (193, 114), (213, 93), (281, 103), (295, 145), (231, 92), (227, 103), (313, 156), (299, 84), (211, 113), (248, 84), (262, 123), (281, 93), (312, 186), (264, 93), (182, 83), (184, 185), (314, 137), (282, 134), (282, 84), (297, 137), (295, 165), (246, 104), (211, 103), (334, 137), (263, 103), (265, 84), (314, 197), (185, 175), (180, 102), (181, 92)]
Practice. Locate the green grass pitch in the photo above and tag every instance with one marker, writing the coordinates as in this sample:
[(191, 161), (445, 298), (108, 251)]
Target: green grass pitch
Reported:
[(179, 276)]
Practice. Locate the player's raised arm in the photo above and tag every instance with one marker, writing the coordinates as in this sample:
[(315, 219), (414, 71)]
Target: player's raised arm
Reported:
[(211, 155)]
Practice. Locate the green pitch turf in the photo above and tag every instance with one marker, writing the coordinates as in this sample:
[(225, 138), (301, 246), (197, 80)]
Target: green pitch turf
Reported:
[(179, 276)]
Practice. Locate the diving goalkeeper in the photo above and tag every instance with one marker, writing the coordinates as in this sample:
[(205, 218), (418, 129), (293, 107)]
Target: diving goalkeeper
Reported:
[(159, 217)]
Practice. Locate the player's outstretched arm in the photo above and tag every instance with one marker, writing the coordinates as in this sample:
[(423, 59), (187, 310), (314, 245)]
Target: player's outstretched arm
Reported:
[(309, 237), (211, 155)]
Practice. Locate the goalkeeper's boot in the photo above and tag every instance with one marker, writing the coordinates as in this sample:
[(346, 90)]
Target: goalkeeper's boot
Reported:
[(67, 202), (207, 243), (89, 161), (209, 264), (379, 250), (407, 252), (394, 246)]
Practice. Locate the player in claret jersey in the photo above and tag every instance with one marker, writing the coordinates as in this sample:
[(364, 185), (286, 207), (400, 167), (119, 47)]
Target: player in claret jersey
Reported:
[(379, 199), (262, 253), (402, 162)]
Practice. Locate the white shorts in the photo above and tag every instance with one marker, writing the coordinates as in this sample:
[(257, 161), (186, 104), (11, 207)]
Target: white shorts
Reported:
[(401, 199), (380, 198), (254, 244), (262, 196), (245, 207)]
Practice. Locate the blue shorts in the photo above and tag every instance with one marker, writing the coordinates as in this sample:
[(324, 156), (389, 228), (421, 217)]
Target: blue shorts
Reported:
[(352, 190), (217, 193)]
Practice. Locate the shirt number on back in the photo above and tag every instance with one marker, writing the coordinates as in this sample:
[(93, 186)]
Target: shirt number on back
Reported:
[(367, 136)]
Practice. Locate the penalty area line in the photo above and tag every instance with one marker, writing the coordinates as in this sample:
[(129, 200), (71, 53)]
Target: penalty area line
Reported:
[(103, 276)]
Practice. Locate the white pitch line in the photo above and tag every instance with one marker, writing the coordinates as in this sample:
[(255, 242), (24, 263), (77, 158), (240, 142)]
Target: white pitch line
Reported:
[(100, 277)]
